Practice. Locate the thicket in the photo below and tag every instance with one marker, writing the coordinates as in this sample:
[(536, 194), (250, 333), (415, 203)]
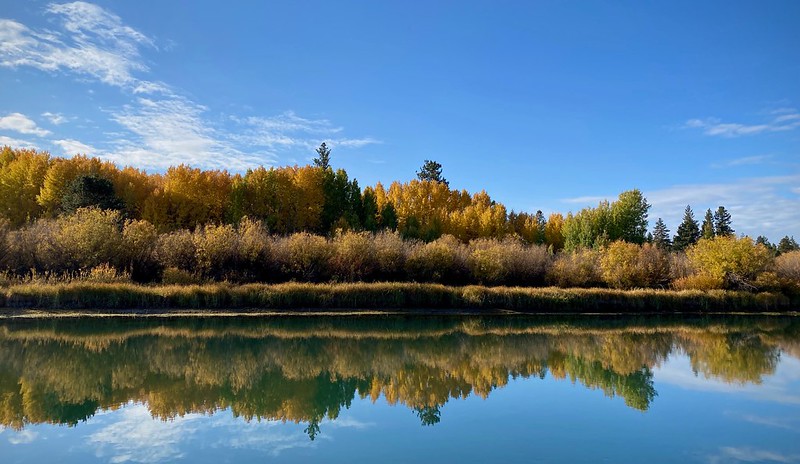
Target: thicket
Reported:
[(85, 219)]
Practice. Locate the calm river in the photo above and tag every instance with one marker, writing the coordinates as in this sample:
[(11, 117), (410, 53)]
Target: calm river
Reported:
[(401, 389)]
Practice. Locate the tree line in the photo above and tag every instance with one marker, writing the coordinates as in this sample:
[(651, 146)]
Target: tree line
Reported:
[(79, 215)]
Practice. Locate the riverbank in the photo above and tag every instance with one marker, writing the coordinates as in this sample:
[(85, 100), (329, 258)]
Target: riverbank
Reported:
[(414, 298)]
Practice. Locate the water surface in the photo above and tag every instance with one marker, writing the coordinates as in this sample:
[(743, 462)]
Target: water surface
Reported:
[(401, 389)]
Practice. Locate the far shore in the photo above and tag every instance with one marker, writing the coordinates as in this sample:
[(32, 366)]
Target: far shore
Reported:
[(78, 299)]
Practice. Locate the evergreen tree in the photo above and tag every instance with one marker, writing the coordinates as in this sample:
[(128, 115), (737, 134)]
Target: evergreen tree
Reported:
[(722, 222), (761, 240), (369, 211), (324, 159), (688, 232), (431, 171), (90, 190), (787, 244), (661, 235), (388, 217), (707, 231), (541, 223)]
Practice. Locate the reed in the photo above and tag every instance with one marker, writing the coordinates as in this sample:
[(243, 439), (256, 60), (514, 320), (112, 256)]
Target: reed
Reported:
[(413, 297)]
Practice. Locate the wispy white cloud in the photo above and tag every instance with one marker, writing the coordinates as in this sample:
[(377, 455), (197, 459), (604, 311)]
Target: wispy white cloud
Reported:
[(18, 122), (136, 437), (16, 143), (162, 127), (23, 437), (788, 119), (55, 118), (171, 131), (745, 161), (588, 200), (779, 387), (776, 422), (288, 130), (749, 454), (759, 205), (93, 42), (74, 147)]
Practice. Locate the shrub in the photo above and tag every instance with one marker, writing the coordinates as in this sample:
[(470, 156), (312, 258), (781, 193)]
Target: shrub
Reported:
[(5, 230), (508, 262), (679, 266), (106, 274), (619, 265), (254, 251), (787, 266), (391, 252), (736, 261), (29, 249), (787, 271), (217, 251), (177, 250), (354, 257), (655, 264), (89, 238), (698, 282), (305, 257), (139, 240), (579, 268), (444, 260), (175, 276)]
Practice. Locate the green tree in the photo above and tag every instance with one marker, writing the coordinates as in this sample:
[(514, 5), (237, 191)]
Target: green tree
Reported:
[(541, 223), (629, 217), (661, 235), (324, 159), (388, 217), (762, 240), (369, 210), (688, 231), (90, 191), (722, 222), (431, 171), (787, 244), (707, 231)]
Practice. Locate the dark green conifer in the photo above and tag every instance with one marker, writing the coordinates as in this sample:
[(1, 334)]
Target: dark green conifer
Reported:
[(722, 222), (707, 231), (661, 235), (688, 232)]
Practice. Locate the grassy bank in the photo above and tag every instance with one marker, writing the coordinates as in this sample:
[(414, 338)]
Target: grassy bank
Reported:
[(392, 296)]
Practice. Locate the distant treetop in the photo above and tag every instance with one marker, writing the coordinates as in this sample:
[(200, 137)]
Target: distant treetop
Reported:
[(432, 171)]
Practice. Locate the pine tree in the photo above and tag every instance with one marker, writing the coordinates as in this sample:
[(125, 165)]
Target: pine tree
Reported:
[(722, 222), (688, 232), (707, 231), (541, 223), (431, 171), (787, 244), (661, 235), (324, 160), (773, 249)]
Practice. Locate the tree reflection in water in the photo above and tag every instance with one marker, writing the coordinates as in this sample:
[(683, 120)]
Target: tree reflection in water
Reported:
[(308, 369)]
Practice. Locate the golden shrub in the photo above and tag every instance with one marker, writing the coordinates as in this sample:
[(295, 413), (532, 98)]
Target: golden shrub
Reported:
[(580, 268), (736, 261), (698, 282), (354, 257)]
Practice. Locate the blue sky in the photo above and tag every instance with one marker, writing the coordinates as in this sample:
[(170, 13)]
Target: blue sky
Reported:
[(546, 105)]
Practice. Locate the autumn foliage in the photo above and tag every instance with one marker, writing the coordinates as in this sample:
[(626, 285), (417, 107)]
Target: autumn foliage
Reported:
[(64, 218)]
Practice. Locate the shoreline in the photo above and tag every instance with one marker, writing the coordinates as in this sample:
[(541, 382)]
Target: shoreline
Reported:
[(81, 299)]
